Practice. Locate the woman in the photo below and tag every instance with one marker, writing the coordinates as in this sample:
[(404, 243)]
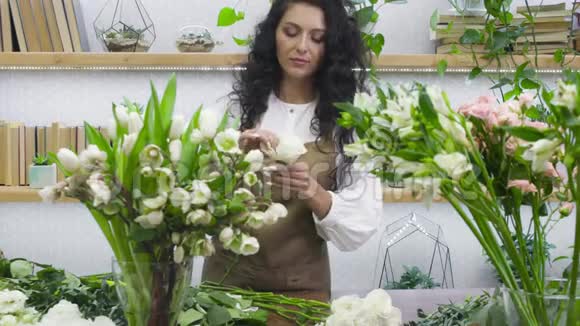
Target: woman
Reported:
[(300, 63)]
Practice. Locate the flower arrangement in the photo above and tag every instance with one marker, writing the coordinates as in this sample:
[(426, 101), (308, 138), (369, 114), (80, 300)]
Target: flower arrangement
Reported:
[(162, 190), (488, 161)]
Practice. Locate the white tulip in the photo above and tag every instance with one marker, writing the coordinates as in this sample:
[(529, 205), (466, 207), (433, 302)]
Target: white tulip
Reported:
[(289, 149), (99, 189), (92, 158), (177, 127), (180, 198), (129, 143), (156, 202), (256, 158), (110, 131), (227, 236), (565, 95), (199, 217), (227, 141), (196, 136), (175, 150), (256, 220), (135, 123), (11, 301), (250, 179), (178, 255), (122, 114), (151, 220), (249, 245), (69, 160), (541, 152), (151, 156), (201, 193), (454, 164), (367, 102), (208, 123)]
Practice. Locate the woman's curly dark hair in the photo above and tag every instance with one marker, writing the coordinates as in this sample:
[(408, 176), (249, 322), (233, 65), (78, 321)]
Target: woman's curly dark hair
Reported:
[(336, 80)]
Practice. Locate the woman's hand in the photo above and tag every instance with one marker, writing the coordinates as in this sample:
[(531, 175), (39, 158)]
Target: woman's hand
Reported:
[(258, 139)]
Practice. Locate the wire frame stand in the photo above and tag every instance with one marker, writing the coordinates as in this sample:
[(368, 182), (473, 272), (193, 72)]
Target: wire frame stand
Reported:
[(413, 240)]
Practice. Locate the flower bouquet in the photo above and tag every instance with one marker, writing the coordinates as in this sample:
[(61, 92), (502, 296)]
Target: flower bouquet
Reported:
[(161, 189), (488, 161)]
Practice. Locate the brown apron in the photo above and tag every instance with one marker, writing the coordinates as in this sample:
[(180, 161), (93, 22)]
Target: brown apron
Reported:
[(293, 258)]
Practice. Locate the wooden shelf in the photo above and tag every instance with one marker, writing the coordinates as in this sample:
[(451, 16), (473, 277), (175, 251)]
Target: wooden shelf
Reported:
[(25, 194), (176, 61)]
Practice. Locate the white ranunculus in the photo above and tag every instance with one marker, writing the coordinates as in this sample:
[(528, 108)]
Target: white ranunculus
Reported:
[(122, 114), (135, 123), (11, 301), (454, 164), (178, 255), (175, 151), (565, 95), (165, 179), (92, 158), (249, 245), (156, 202), (226, 236), (66, 313), (29, 316), (244, 194), (378, 302), (395, 318), (110, 131), (439, 103), (250, 179), (151, 220), (99, 189), (103, 321), (208, 123), (9, 320), (402, 166), (21, 269), (129, 143), (346, 305), (199, 217), (200, 192), (367, 102), (541, 152), (256, 158), (454, 129), (256, 220), (177, 127), (151, 156), (180, 198), (69, 160), (289, 149), (278, 210), (227, 141), (196, 136)]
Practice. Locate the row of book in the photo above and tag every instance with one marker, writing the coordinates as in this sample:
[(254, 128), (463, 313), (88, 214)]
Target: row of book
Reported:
[(42, 26), (552, 29), (19, 144)]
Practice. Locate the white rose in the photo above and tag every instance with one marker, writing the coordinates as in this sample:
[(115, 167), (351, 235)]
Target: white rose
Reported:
[(135, 123), (565, 95), (289, 149), (250, 179), (199, 217), (178, 255), (196, 136), (180, 198), (256, 220), (129, 143), (367, 102), (177, 127), (122, 114), (11, 301), (69, 160), (151, 220), (227, 141), (249, 245), (92, 158), (227, 236), (256, 158), (99, 189), (454, 164), (378, 302), (151, 156), (208, 123), (175, 150), (541, 152), (156, 202), (200, 193)]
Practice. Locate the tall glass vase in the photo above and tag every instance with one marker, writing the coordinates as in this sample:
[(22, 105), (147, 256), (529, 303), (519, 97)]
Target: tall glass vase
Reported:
[(152, 293)]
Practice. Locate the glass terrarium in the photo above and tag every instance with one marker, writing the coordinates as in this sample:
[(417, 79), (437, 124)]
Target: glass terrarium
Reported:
[(194, 38), (124, 26)]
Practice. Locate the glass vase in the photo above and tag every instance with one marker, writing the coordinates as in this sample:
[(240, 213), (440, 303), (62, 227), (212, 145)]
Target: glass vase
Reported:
[(152, 293)]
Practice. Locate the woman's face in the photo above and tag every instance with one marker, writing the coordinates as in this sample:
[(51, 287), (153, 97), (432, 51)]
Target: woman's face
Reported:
[(300, 40)]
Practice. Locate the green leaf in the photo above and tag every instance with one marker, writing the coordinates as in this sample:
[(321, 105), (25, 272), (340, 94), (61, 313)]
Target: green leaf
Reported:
[(434, 20), (560, 258), (426, 107), (474, 73), (410, 155), (189, 150), (242, 41), (502, 82), (223, 299), (526, 133), (140, 234), (441, 67), (455, 50), (189, 317), (376, 43), (356, 113), (217, 315), (227, 17), (559, 56), (152, 122), (471, 36), (529, 84), (168, 103), (363, 16)]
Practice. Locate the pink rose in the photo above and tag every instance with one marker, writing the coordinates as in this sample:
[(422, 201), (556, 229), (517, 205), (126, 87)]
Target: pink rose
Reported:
[(526, 100), (523, 185)]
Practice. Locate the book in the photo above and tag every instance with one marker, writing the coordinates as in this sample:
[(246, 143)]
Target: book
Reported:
[(55, 37), (84, 36), (62, 23), (21, 155), (73, 26), (81, 139), (6, 26), (30, 149), (30, 32), (541, 8), (12, 174), (41, 140), (18, 27), (3, 151), (41, 25)]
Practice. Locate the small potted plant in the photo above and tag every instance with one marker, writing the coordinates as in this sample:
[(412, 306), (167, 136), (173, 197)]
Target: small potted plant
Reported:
[(195, 38), (41, 173), (127, 39)]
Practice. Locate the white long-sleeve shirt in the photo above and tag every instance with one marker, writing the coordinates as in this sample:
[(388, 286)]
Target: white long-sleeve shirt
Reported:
[(356, 210)]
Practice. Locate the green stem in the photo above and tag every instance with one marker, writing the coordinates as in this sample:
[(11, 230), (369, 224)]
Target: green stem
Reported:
[(573, 277)]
